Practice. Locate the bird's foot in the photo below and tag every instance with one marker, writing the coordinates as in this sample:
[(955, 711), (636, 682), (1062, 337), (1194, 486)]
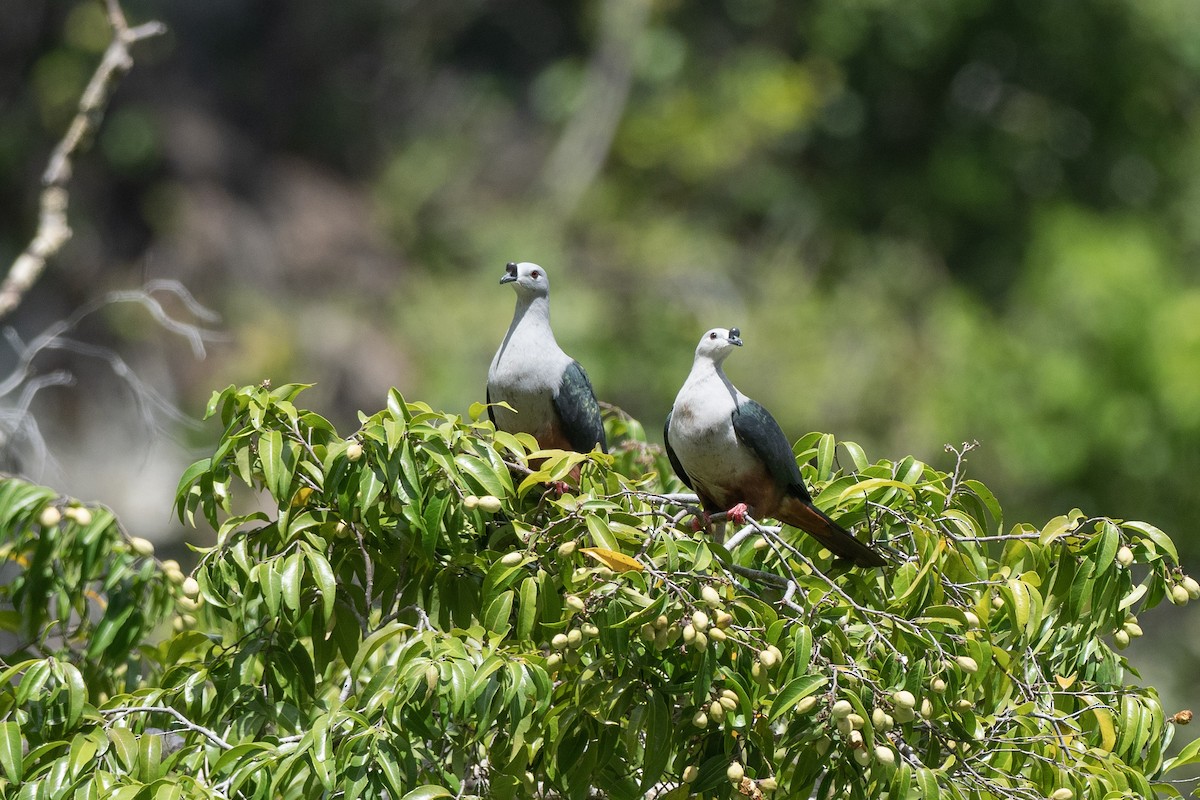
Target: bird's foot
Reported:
[(701, 522), (560, 487), (738, 513)]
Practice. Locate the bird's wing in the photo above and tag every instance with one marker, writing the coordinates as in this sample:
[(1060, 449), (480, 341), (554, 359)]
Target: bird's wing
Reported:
[(757, 429), (674, 459), (578, 411)]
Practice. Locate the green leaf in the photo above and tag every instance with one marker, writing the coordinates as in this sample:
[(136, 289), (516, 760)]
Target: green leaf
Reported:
[(601, 535), (497, 613), (323, 576), (270, 456), (927, 784), (826, 456), (863, 488), (10, 751), (528, 612), (795, 691), (427, 792), (290, 579), (485, 478), (1190, 754), (1161, 541), (858, 456), (659, 742)]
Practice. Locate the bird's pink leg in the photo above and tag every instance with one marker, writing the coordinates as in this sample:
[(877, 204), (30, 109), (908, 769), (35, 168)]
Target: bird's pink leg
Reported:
[(738, 513), (701, 522), (560, 487)]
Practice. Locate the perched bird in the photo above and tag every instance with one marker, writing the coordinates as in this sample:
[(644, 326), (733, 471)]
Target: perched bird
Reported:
[(732, 453), (550, 392)]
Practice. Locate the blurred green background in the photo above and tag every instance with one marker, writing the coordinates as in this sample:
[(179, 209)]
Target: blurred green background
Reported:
[(933, 221)]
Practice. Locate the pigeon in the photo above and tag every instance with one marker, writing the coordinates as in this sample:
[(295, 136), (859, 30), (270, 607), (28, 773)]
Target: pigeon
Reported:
[(549, 392), (733, 454)]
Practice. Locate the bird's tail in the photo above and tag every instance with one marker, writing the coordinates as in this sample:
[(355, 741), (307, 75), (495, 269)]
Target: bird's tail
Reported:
[(834, 537)]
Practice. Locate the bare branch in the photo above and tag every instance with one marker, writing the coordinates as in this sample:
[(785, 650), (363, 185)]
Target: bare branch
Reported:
[(53, 230), (207, 733)]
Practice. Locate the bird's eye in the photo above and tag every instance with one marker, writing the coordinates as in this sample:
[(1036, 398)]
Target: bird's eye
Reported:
[(535, 274), (713, 335)]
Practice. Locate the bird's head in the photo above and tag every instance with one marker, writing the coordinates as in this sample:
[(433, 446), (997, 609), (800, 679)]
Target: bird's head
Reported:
[(718, 343), (528, 279)]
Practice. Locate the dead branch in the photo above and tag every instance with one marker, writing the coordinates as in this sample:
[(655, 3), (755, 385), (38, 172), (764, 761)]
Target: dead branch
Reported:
[(53, 230)]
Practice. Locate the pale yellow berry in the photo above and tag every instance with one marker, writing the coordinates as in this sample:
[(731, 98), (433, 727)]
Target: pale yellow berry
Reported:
[(79, 514), (1062, 794), (1191, 587), (716, 711), (972, 620), (354, 451), (807, 704), (559, 642), (767, 659), (842, 709), (735, 772), (574, 638), (574, 602), (710, 596), (1179, 595), (885, 755), (724, 619), (567, 549), (1121, 639), (470, 501), (700, 620), (768, 784), (904, 699), (49, 517), (1124, 556), (967, 664), (489, 503), (512, 559), (690, 773), (700, 719), (190, 586)]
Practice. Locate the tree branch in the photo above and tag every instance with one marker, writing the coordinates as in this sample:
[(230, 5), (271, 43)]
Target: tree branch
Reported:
[(53, 230)]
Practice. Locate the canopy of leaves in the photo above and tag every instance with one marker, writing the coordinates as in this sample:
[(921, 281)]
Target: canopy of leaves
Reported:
[(428, 608)]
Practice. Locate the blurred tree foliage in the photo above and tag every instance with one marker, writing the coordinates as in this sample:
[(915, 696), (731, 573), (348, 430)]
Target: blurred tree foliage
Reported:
[(934, 221)]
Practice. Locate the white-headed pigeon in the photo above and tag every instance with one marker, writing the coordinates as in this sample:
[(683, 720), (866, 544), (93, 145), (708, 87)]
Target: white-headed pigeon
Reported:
[(733, 454), (550, 392)]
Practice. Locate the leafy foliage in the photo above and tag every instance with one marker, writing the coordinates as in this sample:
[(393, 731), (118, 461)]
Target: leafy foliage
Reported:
[(430, 608)]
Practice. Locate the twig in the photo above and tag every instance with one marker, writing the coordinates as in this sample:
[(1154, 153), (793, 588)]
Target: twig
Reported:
[(53, 230), (207, 733)]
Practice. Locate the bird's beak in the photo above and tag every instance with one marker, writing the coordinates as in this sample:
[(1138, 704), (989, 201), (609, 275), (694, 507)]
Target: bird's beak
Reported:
[(735, 337), (508, 278), (510, 273)]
